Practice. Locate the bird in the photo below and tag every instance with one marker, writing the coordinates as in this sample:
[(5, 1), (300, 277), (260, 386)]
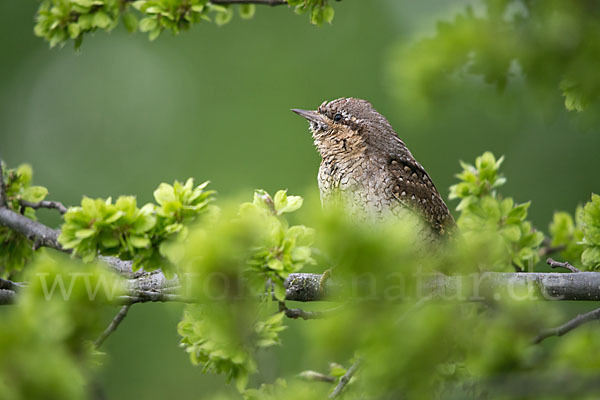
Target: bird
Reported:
[(367, 168)]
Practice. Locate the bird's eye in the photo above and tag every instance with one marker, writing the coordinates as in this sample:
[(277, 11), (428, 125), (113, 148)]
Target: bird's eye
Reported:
[(337, 117)]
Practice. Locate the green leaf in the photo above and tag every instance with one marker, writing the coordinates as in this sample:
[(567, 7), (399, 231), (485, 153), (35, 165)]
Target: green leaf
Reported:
[(328, 13), (336, 370), (139, 241), (285, 204), (511, 233), (101, 20), (86, 3), (85, 233), (519, 213), (316, 16), (154, 34), (591, 258), (241, 381), (279, 291), (224, 17), (34, 193), (247, 11), (74, 30), (25, 174), (109, 241), (275, 264), (130, 21), (146, 25), (85, 21)]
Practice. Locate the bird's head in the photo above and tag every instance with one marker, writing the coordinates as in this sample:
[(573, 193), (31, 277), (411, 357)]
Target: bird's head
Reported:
[(346, 125)]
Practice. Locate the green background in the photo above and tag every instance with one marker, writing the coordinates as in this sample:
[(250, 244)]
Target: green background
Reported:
[(125, 114)]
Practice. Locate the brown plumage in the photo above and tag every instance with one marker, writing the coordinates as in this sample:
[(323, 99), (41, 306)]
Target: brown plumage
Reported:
[(366, 164)]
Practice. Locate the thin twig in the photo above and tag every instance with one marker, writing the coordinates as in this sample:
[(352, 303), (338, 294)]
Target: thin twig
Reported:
[(345, 379), (416, 306), (114, 324), (295, 313), (43, 204), (315, 376), (568, 326), (557, 264)]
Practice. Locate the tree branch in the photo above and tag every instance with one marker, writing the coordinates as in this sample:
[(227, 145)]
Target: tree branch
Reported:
[(557, 264), (32, 230), (154, 286), (43, 204), (10, 285), (7, 296), (568, 326), (295, 313), (344, 380), (114, 324), (315, 376)]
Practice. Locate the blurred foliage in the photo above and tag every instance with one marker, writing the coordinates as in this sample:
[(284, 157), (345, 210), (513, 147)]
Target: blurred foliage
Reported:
[(234, 259), (580, 239), (16, 248), (215, 340), (46, 337), (483, 210), (549, 43), (133, 233), (438, 350), (567, 235), (231, 263), (282, 390), (590, 224), (282, 249), (57, 21)]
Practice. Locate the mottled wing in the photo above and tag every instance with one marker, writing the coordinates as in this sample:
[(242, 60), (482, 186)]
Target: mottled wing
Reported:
[(414, 188)]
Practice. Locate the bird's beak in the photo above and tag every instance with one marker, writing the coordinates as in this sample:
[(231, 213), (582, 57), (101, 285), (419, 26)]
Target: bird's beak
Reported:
[(311, 116)]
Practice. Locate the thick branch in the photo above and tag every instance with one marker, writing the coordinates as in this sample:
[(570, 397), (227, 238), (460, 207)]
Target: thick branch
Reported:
[(582, 286), (306, 287), (32, 230), (7, 296), (569, 326), (155, 286)]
